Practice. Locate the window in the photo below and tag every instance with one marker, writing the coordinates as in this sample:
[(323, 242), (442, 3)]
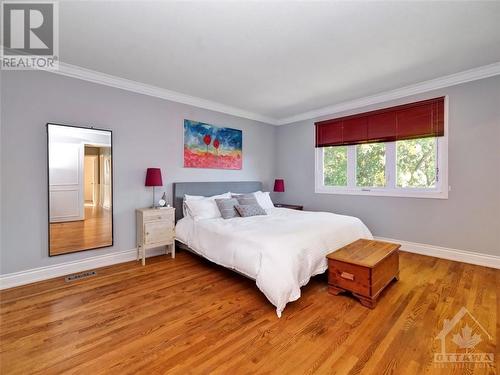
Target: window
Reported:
[(399, 151), (370, 165), (412, 168), (416, 163), (335, 166)]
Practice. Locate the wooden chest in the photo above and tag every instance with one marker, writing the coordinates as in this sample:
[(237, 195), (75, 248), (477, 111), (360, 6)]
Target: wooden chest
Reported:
[(364, 268)]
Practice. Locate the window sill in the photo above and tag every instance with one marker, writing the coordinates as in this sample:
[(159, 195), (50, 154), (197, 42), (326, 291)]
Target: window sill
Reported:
[(401, 193)]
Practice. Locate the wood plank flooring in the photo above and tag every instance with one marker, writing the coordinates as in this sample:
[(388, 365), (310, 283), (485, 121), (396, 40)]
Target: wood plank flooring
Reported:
[(72, 236), (188, 316)]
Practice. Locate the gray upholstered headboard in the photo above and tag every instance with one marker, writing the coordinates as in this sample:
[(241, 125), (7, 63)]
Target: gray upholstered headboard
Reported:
[(209, 188)]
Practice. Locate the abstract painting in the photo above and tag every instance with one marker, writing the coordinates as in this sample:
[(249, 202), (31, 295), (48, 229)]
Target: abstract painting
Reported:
[(208, 146)]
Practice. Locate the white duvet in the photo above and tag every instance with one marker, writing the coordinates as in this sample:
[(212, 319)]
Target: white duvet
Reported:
[(281, 250)]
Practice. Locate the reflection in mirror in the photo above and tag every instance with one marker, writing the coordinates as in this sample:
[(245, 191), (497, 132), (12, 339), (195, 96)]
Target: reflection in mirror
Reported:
[(80, 189)]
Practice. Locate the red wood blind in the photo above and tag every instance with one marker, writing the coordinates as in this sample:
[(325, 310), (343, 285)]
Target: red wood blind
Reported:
[(408, 121)]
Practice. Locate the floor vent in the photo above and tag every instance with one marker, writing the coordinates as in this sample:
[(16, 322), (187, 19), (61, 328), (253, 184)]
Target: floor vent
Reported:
[(79, 276)]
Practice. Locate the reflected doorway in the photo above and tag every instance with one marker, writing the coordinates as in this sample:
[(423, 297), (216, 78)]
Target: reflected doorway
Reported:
[(80, 189)]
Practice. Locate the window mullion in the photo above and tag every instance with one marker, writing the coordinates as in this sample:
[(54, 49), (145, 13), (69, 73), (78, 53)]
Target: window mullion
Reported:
[(351, 166), (390, 165)]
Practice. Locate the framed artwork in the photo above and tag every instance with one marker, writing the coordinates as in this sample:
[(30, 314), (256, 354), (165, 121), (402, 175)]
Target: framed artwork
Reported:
[(209, 146)]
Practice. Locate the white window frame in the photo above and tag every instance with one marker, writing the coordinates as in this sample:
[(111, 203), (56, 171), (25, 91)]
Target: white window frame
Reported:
[(439, 192)]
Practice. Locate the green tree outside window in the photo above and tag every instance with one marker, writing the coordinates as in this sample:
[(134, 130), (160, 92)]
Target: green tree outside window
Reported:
[(416, 163), (370, 165), (335, 166)]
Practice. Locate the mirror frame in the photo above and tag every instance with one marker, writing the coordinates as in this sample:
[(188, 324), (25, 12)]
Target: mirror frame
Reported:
[(112, 188)]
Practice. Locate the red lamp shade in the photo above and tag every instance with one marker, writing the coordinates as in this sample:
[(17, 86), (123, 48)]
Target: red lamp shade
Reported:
[(279, 185), (153, 177)]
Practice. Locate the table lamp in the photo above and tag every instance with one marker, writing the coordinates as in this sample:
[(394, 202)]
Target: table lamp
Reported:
[(153, 178)]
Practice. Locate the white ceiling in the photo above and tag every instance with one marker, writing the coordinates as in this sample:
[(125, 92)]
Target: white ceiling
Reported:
[(279, 59)]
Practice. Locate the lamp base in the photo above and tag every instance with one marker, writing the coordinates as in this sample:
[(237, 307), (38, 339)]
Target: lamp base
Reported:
[(154, 203)]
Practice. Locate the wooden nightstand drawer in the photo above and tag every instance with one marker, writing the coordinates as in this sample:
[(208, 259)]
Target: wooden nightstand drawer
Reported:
[(158, 215), (349, 276)]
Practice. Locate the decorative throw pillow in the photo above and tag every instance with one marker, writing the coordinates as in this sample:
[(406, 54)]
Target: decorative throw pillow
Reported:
[(246, 199), (227, 207), (250, 210)]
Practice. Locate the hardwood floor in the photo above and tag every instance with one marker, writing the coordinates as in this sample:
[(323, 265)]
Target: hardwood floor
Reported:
[(94, 231), (188, 316)]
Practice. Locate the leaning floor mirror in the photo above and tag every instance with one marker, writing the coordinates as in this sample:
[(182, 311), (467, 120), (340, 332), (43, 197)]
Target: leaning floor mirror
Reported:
[(80, 178)]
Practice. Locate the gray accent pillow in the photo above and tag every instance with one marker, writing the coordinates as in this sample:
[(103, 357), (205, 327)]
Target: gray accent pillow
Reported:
[(246, 210), (246, 199), (227, 207)]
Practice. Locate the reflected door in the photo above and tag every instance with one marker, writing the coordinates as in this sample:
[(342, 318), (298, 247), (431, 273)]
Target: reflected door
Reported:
[(80, 188)]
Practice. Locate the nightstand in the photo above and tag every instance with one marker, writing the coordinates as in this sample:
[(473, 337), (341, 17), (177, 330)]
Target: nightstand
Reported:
[(155, 228), (290, 206)]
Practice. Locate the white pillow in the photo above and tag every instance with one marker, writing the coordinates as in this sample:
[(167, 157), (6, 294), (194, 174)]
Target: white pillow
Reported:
[(203, 209), (185, 211), (219, 196), (264, 200), (190, 198)]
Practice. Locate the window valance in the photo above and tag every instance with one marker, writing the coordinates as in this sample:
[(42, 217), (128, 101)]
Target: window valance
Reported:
[(408, 121)]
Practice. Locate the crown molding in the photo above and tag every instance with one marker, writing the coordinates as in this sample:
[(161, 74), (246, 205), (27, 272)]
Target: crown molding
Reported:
[(418, 88), (154, 91), (78, 72)]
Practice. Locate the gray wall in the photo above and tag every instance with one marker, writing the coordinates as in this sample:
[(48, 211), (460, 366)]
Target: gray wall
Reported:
[(147, 132), (468, 220)]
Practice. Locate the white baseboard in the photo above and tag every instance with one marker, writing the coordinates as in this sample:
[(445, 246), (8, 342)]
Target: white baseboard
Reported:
[(43, 273), (479, 259)]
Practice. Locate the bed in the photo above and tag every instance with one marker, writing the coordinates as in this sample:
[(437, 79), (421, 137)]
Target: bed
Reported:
[(281, 251)]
